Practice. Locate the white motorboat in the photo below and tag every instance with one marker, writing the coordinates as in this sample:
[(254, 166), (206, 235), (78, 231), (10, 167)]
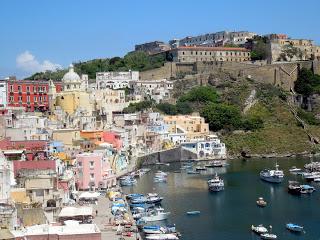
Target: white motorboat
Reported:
[(161, 174), (152, 194), (165, 236), (268, 236), (157, 214), (273, 176), (294, 169), (260, 229), (216, 184)]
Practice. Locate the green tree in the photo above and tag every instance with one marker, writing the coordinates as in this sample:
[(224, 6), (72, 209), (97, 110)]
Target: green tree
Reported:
[(167, 108), (202, 94), (222, 116), (307, 83)]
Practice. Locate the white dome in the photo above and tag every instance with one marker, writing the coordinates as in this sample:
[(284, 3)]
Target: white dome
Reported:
[(71, 76)]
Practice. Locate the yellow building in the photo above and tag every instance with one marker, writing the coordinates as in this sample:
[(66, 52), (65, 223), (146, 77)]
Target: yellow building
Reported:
[(74, 95), (68, 136), (195, 127)]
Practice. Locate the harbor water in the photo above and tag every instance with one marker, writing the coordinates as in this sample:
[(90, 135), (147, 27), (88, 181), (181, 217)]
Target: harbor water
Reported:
[(229, 214)]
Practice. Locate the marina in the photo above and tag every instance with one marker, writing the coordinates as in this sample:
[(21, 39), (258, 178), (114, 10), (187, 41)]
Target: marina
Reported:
[(186, 195)]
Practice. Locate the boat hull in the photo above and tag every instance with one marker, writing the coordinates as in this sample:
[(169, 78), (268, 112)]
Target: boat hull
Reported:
[(159, 217), (272, 179)]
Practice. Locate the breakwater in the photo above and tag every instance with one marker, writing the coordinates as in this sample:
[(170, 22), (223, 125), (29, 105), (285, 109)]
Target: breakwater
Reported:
[(166, 156)]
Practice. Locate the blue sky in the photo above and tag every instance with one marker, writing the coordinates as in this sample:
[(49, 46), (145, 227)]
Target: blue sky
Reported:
[(37, 34)]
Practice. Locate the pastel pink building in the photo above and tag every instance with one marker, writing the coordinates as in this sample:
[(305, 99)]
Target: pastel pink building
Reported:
[(112, 138), (94, 171)]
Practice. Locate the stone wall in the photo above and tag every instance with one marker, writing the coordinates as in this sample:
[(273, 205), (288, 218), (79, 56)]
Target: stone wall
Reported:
[(166, 156), (280, 74), (167, 71)]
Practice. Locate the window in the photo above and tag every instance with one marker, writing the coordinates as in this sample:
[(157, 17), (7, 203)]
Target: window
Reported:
[(35, 98), (11, 88), (92, 176), (91, 164), (34, 89), (28, 98), (39, 89), (80, 164), (44, 98), (19, 88), (28, 89), (11, 98), (20, 98), (40, 99)]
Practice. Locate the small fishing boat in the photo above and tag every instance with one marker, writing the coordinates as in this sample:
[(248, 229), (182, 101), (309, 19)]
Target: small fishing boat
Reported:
[(161, 174), (199, 168), (307, 189), (294, 188), (259, 229), (316, 180), (134, 195), (155, 200), (127, 181), (268, 236), (164, 236), (159, 179), (193, 172), (152, 229), (261, 202), (193, 213), (157, 214), (294, 227), (139, 200), (294, 169)]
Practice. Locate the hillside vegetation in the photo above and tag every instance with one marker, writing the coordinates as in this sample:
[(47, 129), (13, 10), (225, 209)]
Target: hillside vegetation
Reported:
[(135, 61)]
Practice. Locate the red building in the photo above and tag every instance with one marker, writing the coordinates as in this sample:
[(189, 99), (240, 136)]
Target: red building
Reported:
[(32, 95)]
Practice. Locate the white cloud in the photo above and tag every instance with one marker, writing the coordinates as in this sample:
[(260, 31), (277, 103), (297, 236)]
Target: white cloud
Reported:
[(28, 62)]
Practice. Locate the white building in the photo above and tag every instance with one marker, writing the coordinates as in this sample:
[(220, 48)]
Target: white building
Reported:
[(157, 90), (116, 80), (27, 127), (3, 94), (212, 147)]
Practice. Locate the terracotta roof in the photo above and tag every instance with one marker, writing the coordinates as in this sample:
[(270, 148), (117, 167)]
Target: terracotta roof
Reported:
[(212, 48)]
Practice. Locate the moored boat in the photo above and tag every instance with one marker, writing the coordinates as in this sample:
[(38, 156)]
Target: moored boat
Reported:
[(294, 169), (294, 188), (268, 236), (200, 168), (259, 229), (307, 189), (193, 172), (272, 176), (157, 214), (216, 184), (155, 199), (294, 227), (261, 202), (193, 213), (164, 236)]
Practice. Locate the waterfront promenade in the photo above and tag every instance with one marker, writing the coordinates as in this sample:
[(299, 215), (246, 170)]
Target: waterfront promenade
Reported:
[(105, 220)]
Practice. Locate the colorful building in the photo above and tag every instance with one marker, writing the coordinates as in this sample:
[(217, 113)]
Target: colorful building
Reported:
[(94, 172), (194, 127), (32, 95)]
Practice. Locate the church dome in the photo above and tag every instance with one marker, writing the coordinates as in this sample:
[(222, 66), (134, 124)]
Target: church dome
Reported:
[(71, 76)]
